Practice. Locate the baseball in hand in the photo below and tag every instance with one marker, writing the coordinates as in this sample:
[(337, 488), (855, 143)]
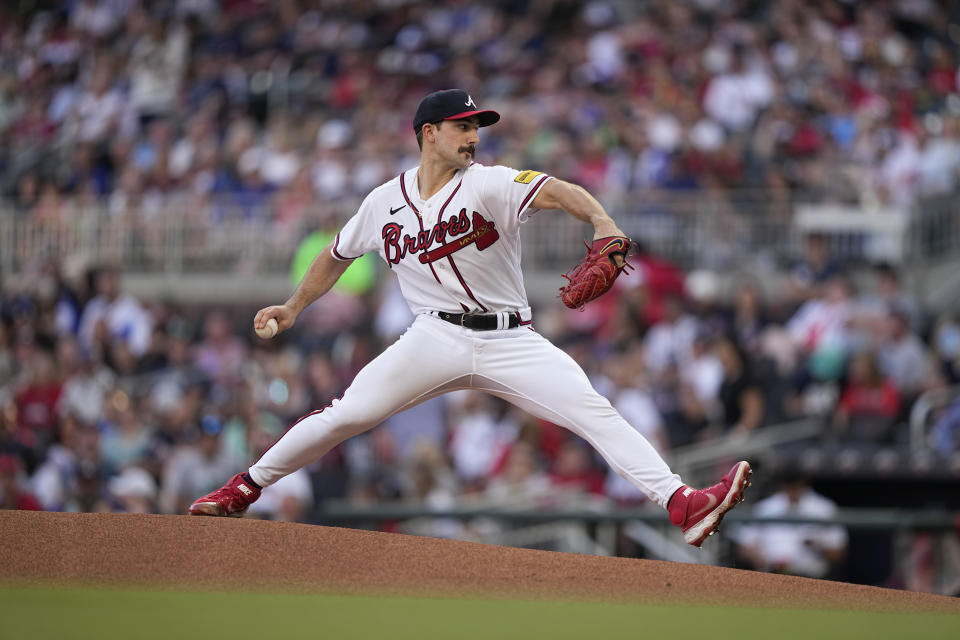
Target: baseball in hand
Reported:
[(269, 330)]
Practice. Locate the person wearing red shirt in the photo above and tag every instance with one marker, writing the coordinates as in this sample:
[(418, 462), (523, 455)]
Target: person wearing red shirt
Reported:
[(869, 404), (11, 495), (36, 402)]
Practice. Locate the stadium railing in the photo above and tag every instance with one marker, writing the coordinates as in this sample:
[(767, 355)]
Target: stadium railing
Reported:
[(753, 231), (852, 518)]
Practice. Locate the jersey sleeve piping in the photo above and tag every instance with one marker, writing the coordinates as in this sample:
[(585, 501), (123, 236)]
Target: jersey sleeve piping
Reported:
[(336, 254), (533, 192)]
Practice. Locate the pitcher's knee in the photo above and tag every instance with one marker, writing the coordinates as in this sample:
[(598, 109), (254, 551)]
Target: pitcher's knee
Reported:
[(347, 417), (347, 430)]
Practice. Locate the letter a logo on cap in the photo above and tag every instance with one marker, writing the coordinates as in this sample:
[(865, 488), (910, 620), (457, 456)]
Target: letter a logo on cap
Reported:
[(470, 102)]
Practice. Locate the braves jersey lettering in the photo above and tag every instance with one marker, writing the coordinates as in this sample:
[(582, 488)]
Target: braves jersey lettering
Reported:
[(458, 250), (396, 248)]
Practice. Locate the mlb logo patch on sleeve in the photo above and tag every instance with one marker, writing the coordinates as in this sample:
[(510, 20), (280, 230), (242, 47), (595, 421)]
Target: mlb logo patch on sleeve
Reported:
[(526, 177)]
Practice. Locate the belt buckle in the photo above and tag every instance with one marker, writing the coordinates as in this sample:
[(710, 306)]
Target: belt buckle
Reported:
[(463, 317)]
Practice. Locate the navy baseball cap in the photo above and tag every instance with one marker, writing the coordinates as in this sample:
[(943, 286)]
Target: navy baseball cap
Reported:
[(451, 104)]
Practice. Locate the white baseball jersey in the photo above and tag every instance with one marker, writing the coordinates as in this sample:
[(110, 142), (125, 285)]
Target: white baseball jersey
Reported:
[(458, 251)]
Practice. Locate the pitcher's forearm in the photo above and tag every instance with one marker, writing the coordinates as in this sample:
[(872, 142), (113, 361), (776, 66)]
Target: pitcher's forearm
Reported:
[(579, 203), (583, 206), (323, 273)]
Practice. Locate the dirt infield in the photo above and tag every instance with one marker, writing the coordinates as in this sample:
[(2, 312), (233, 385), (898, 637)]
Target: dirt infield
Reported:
[(251, 555)]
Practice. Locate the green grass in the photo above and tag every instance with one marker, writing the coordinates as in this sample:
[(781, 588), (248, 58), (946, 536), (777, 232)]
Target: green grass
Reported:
[(104, 614)]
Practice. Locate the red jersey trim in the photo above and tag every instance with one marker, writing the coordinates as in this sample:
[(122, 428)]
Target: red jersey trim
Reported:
[(336, 254), (450, 257), (533, 192), (443, 208), (403, 190), (298, 421), (464, 283)]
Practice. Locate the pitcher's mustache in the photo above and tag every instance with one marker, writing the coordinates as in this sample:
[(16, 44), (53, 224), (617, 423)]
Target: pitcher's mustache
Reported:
[(471, 148)]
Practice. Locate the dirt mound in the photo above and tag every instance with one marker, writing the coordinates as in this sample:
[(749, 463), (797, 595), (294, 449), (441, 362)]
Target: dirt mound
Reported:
[(251, 555)]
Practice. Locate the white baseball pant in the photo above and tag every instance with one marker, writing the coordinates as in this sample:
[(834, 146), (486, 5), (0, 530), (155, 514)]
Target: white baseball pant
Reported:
[(519, 365)]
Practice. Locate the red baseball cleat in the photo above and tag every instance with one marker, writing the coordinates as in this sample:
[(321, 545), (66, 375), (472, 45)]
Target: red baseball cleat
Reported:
[(232, 499), (698, 512)]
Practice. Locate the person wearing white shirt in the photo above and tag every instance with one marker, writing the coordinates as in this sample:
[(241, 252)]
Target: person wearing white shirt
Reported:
[(811, 550)]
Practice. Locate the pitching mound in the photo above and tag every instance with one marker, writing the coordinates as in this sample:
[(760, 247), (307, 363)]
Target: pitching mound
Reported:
[(63, 549)]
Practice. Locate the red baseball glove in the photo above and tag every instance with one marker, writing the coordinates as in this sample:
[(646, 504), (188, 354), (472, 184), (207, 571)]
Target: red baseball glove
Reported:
[(595, 274)]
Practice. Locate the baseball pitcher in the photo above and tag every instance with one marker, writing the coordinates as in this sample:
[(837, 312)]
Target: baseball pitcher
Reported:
[(450, 230)]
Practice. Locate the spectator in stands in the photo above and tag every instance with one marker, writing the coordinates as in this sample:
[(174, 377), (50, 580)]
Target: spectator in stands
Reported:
[(903, 356), (323, 385), (126, 438), (287, 392), (946, 346), (670, 341), (819, 328), (6, 351), (705, 292), (194, 466), (85, 482), (522, 480), (425, 425), (735, 96), (748, 317), (889, 295), (96, 18), (97, 112), (814, 271), (221, 353), (36, 401), (433, 485), (55, 481), (12, 495), (176, 389), (156, 66), (574, 470), (477, 438), (946, 431), (375, 471), (811, 550), (123, 317), (659, 281), (939, 163), (740, 394), (869, 405), (898, 173), (133, 490), (699, 382), (683, 413)]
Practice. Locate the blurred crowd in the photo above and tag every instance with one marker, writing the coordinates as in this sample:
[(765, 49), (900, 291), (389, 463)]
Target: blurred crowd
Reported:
[(112, 403), (220, 107)]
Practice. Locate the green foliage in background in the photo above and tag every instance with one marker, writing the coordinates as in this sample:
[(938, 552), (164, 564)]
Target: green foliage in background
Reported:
[(356, 280)]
